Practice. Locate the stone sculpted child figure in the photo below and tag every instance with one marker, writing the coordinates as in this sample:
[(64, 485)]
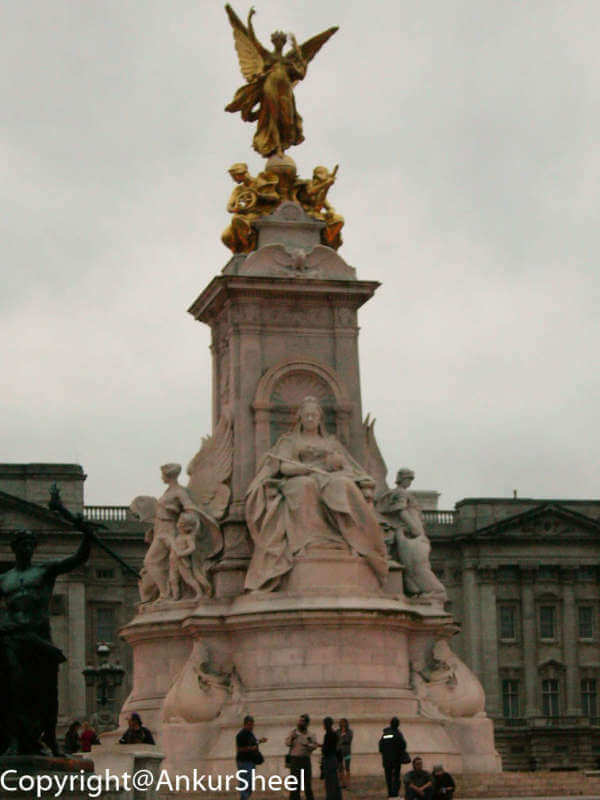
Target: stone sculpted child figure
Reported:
[(184, 563)]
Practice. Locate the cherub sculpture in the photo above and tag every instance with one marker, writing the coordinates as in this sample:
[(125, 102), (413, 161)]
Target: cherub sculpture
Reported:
[(268, 96), (312, 195), (186, 562), (252, 198)]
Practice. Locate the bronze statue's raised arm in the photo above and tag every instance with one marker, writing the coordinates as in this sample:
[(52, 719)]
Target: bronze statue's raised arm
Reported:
[(79, 557)]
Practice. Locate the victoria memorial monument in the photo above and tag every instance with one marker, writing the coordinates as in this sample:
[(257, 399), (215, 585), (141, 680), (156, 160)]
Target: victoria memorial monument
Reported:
[(283, 575)]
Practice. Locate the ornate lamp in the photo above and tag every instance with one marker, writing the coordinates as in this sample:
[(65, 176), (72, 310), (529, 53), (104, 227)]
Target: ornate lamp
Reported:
[(106, 676)]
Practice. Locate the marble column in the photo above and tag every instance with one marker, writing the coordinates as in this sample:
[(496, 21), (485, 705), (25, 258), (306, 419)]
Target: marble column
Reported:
[(569, 642), (489, 640), (246, 355), (76, 648), (529, 631), (471, 618)]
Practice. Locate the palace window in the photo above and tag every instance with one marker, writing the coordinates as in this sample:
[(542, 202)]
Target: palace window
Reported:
[(105, 624), (510, 699), (550, 697), (508, 623), (589, 700), (586, 622), (547, 622), (546, 573), (104, 573)]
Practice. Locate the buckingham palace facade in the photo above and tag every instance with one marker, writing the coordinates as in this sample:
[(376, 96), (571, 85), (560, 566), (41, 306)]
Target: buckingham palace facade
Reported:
[(523, 583), (522, 579)]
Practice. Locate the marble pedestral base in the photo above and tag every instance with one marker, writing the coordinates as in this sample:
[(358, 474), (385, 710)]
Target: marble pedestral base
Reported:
[(329, 642), (330, 571)]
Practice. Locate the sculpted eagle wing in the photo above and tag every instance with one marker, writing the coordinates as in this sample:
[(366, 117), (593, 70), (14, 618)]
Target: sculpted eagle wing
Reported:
[(311, 47), (250, 51), (211, 467)]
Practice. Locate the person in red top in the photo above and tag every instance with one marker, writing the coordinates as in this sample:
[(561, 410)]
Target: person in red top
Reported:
[(88, 737)]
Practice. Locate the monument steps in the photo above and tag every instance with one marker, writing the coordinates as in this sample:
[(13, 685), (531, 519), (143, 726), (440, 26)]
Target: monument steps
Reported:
[(469, 785)]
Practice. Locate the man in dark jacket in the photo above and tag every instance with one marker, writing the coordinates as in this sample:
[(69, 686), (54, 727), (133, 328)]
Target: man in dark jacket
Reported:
[(418, 783), (392, 747), (136, 733)]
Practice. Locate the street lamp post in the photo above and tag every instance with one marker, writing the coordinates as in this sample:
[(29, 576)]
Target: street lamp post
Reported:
[(106, 676)]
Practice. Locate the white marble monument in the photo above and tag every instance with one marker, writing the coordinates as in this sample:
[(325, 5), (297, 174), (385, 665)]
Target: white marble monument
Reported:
[(286, 578)]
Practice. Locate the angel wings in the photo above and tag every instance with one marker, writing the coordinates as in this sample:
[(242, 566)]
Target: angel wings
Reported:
[(210, 469), (268, 97)]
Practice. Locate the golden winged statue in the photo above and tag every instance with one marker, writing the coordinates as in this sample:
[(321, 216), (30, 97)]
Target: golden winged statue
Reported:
[(268, 96)]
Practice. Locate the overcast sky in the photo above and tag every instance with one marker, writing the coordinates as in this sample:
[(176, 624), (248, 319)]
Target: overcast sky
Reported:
[(467, 137)]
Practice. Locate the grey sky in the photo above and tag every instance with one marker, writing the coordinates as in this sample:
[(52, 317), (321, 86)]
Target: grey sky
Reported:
[(466, 134)]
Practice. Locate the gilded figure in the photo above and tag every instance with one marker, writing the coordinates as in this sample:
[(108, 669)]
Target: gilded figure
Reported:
[(312, 195), (267, 98), (251, 198)]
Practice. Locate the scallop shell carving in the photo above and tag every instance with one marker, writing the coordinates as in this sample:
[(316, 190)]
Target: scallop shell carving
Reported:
[(293, 388)]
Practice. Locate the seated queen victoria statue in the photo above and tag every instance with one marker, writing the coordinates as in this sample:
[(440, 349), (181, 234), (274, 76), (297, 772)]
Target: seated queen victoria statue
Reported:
[(308, 491)]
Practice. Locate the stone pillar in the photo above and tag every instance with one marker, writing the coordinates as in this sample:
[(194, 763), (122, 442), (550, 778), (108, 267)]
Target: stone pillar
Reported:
[(489, 640), (246, 355), (569, 642), (76, 648), (529, 643), (346, 365), (471, 618)]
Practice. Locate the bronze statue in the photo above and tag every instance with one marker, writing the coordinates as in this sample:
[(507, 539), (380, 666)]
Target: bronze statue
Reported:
[(28, 658), (268, 96), (312, 196), (252, 198)]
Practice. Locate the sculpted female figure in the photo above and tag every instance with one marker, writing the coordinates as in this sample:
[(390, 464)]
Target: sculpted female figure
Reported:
[(164, 514), (267, 98), (308, 490), (169, 506), (412, 543)]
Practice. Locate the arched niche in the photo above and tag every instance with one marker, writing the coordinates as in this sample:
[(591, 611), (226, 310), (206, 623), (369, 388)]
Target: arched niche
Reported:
[(281, 390)]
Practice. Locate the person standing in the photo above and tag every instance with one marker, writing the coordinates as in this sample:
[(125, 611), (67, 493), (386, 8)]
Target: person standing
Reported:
[(301, 744), (392, 746), (443, 784), (329, 748), (72, 743), (418, 783), (136, 733), (87, 738), (247, 754), (345, 751)]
